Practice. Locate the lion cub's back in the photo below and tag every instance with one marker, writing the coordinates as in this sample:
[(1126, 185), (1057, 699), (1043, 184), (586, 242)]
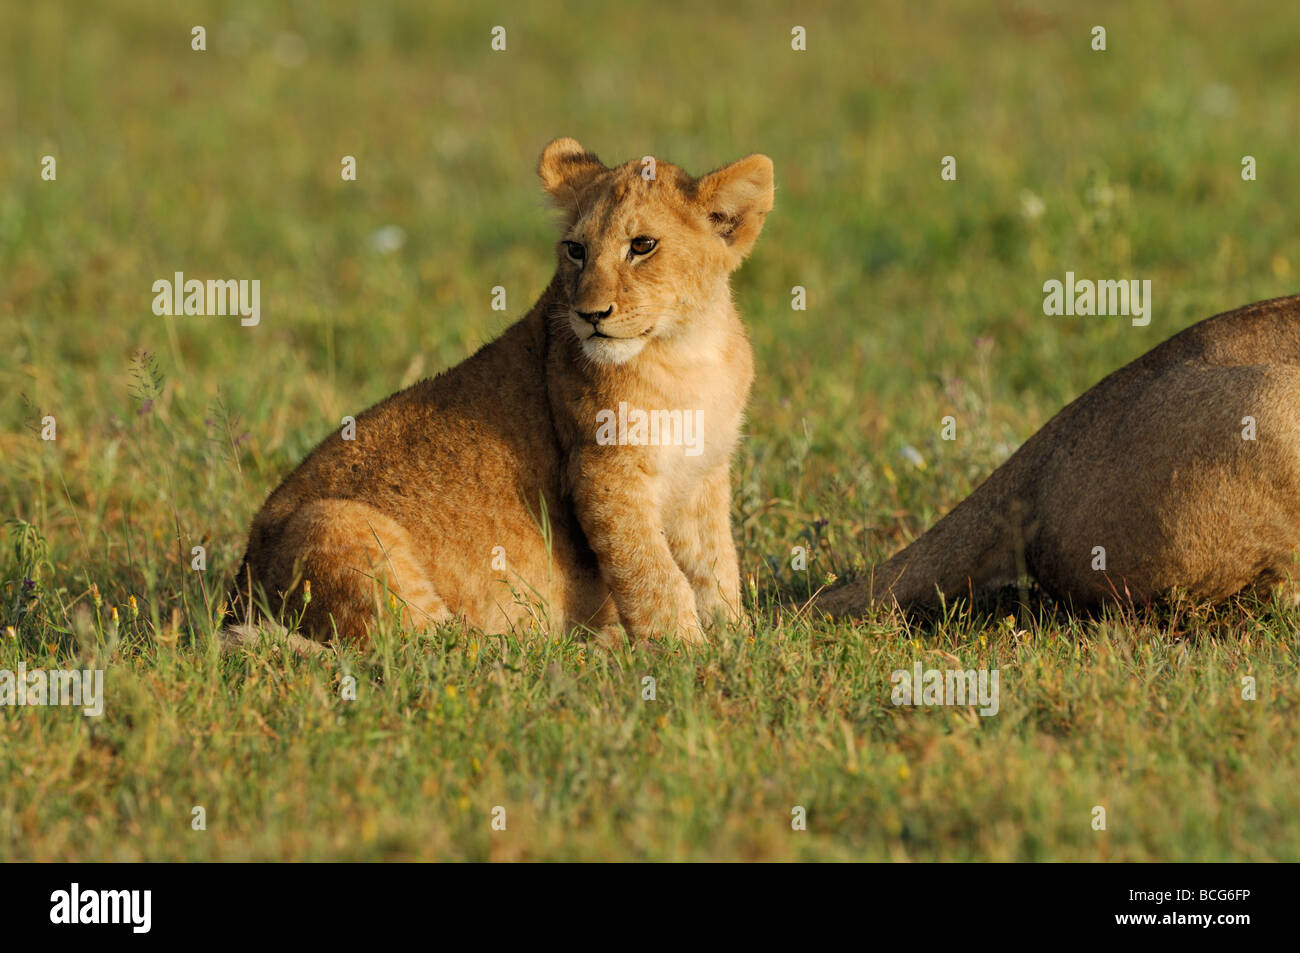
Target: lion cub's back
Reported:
[(460, 461)]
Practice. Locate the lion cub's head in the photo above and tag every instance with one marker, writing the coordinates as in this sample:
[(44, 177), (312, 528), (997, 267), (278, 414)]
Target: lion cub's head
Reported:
[(646, 249)]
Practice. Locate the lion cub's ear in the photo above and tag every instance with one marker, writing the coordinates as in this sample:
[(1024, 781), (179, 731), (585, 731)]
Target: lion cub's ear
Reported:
[(565, 167), (737, 198)]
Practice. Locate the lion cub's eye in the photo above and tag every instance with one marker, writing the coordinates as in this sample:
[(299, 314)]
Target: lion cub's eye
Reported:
[(642, 245), (575, 251)]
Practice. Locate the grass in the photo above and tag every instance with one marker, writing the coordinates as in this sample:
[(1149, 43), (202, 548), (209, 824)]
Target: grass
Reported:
[(924, 300)]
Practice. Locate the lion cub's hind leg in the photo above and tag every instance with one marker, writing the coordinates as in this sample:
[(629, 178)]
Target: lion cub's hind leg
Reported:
[(355, 558)]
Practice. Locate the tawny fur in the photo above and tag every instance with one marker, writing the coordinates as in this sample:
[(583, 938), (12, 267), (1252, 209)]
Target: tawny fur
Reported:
[(1150, 464), (497, 458)]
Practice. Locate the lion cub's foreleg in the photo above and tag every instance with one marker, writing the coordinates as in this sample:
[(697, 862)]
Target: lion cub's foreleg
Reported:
[(615, 506), (701, 542)]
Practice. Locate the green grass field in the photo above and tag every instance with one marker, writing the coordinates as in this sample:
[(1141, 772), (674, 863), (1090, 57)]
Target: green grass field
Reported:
[(924, 300)]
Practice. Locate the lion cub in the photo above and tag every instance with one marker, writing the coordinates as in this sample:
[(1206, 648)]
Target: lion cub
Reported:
[(578, 466)]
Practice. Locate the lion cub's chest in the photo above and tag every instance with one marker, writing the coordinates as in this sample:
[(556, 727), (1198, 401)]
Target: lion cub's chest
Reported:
[(677, 419), (686, 443)]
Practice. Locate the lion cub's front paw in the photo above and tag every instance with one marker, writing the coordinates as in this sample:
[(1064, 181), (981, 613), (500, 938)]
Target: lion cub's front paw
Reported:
[(611, 636), (691, 632), (722, 617), (684, 627)]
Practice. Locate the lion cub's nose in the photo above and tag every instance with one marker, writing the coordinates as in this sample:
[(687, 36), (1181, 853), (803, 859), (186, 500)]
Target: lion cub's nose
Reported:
[(595, 317)]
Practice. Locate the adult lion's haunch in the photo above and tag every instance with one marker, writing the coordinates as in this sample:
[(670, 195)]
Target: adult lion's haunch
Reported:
[(502, 491), (1181, 470)]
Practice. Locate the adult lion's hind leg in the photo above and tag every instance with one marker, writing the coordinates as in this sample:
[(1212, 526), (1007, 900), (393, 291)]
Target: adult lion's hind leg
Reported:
[(353, 557), (1281, 583), (1277, 434)]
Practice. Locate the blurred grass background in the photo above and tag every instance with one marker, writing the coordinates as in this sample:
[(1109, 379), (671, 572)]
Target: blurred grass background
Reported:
[(924, 299)]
